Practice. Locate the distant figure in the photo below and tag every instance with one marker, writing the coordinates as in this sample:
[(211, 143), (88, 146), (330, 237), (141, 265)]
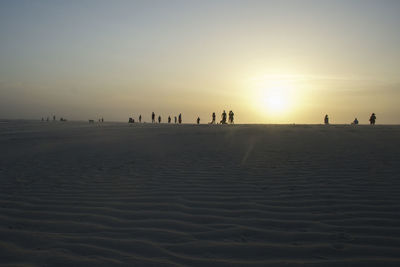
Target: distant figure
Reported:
[(355, 122), (198, 120), (180, 118), (231, 114), (153, 117), (372, 119), (223, 117), (169, 119), (102, 119), (131, 120), (159, 119), (54, 117), (326, 119), (140, 118), (175, 119), (213, 118)]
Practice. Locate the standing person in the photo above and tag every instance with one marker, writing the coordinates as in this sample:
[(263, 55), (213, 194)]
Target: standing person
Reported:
[(153, 117), (159, 119), (223, 116), (140, 118), (372, 119), (198, 120), (231, 114), (102, 119), (180, 118), (326, 119), (175, 119), (169, 119), (54, 117), (213, 118)]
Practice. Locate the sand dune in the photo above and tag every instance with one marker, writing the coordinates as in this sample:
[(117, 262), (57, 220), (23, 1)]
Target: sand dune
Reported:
[(75, 194)]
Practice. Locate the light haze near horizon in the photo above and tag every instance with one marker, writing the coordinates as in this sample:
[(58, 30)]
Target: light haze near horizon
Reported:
[(268, 61)]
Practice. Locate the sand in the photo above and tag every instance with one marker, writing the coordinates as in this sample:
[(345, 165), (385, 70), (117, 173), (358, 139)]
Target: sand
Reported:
[(79, 194)]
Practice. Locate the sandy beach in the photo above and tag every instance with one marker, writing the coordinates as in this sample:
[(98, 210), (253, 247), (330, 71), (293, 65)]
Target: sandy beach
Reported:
[(79, 194)]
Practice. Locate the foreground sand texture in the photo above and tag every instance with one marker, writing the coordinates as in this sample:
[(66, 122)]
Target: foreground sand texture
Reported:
[(75, 194)]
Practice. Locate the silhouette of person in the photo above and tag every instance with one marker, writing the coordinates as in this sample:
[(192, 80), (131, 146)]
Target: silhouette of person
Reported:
[(223, 120), (355, 122), (175, 119), (372, 119), (326, 119), (213, 118), (180, 118), (140, 118), (54, 117), (159, 119), (102, 119), (198, 120), (231, 114), (153, 117), (169, 119)]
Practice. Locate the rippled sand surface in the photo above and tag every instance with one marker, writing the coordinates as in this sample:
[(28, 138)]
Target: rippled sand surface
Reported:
[(78, 194)]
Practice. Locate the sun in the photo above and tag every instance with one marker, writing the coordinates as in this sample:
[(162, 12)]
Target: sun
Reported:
[(275, 102), (275, 98)]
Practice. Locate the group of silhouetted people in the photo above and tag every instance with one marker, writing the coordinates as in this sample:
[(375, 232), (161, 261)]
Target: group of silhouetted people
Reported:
[(178, 119), (153, 118), (223, 117), (372, 120)]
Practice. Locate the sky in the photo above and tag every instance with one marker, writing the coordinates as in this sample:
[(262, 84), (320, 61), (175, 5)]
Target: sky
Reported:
[(268, 61)]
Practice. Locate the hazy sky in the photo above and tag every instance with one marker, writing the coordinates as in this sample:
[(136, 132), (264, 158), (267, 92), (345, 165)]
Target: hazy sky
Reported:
[(268, 61)]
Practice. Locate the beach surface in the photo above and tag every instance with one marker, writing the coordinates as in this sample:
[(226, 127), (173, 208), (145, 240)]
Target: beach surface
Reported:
[(116, 194)]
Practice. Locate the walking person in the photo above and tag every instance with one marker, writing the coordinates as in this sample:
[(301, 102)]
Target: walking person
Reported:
[(180, 118), (213, 118), (140, 118), (372, 119), (153, 117), (223, 116), (175, 119), (198, 120), (159, 119), (169, 119)]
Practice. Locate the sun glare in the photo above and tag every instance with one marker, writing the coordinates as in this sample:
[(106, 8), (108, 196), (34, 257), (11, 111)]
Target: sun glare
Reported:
[(274, 96)]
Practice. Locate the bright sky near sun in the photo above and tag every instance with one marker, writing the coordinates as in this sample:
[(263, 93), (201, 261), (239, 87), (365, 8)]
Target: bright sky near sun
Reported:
[(268, 61)]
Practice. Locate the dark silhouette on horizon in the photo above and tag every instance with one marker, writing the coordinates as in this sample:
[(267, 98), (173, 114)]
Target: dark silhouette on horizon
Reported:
[(153, 117), (169, 119), (198, 120), (175, 119), (326, 119), (372, 119), (140, 118), (231, 115), (180, 118), (213, 118), (223, 118), (355, 122), (159, 119)]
